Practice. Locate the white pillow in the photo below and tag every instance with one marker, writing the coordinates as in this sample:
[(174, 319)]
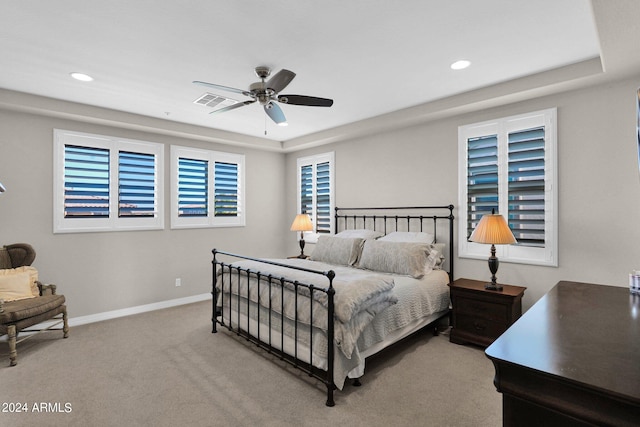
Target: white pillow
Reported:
[(408, 237), (337, 250), (360, 234)]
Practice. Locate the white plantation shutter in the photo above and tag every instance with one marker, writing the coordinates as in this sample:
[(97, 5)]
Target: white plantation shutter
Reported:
[(482, 179), (226, 189), (526, 206), (307, 190), (208, 188), (103, 183), (136, 184), (323, 198), (193, 187), (315, 192), (86, 182), (509, 165)]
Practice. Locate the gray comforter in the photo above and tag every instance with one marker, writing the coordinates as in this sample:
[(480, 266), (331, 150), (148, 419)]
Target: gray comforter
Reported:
[(359, 296)]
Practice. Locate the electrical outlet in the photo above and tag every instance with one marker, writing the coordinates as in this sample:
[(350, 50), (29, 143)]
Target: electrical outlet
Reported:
[(178, 282)]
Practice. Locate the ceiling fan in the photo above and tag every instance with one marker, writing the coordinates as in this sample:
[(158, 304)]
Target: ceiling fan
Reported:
[(267, 91)]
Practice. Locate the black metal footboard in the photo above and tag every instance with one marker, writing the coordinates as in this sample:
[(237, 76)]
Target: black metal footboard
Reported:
[(224, 313)]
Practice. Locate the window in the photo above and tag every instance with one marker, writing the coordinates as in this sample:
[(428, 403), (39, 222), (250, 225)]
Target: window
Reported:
[(509, 165), (104, 183), (207, 188), (315, 192)]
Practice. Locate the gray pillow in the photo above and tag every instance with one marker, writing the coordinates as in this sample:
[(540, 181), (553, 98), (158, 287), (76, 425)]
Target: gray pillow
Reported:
[(360, 233), (337, 250), (408, 259), (408, 237)]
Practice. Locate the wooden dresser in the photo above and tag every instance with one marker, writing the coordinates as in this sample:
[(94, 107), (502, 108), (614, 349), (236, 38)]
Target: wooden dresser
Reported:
[(573, 359), (479, 315)]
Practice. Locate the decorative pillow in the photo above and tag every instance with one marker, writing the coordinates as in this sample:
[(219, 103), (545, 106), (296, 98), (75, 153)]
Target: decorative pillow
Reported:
[(436, 255), (408, 237), (360, 234), (409, 259), (337, 250), (18, 283)]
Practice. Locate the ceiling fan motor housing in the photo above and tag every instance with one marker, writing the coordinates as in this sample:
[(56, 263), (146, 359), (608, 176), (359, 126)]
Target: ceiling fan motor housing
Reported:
[(263, 72)]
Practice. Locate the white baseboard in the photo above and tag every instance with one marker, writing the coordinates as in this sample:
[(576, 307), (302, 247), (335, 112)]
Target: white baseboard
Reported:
[(99, 317)]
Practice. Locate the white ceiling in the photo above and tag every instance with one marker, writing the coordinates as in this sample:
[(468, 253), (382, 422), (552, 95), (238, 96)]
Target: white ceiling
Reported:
[(372, 57)]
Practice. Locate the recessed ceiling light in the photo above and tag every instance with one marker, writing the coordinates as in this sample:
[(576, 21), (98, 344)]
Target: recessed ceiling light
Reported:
[(460, 65), (82, 77)]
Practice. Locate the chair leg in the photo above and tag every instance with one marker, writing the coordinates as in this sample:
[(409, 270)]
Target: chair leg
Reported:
[(13, 354), (65, 324)]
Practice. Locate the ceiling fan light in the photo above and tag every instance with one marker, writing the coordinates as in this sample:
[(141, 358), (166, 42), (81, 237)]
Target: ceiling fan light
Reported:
[(460, 65), (283, 124), (81, 76)]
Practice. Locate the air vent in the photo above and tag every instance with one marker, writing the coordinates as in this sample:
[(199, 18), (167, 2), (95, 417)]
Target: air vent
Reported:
[(214, 101)]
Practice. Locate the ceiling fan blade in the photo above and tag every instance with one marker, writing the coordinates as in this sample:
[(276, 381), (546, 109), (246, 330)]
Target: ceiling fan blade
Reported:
[(275, 113), (227, 88), (280, 80), (311, 101), (232, 107)]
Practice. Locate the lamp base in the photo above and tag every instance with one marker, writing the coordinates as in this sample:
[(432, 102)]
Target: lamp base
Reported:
[(493, 267), (493, 286), (302, 255)]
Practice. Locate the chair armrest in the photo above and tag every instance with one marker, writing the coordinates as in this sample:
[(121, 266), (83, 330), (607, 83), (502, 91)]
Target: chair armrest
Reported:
[(47, 289)]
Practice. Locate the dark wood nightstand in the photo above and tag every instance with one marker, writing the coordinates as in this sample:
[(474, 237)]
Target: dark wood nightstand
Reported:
[(479, 315)]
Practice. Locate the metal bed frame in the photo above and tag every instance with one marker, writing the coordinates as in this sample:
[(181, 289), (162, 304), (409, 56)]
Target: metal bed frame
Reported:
[(383, 223)]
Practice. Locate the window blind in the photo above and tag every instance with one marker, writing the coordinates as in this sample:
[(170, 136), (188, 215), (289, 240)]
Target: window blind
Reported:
[(226, 201), (86, 182), (306, 190), (193, 187), (315, 195), (526, 186), (323, 197), (136, 184), (482, 179)]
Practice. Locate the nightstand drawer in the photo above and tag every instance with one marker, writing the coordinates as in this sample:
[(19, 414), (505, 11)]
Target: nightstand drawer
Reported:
[(481, 315), (480, 327), (482, 309)]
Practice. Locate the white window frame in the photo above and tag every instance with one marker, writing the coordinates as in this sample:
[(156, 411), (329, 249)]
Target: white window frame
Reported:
[(547, 255), (210, 220), (314, 160), (113, 222)]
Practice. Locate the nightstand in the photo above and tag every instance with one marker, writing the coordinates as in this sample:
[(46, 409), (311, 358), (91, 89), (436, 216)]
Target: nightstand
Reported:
[(479, 315)]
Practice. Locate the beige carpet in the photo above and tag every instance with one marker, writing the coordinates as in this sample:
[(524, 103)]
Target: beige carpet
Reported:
[(165, 368)]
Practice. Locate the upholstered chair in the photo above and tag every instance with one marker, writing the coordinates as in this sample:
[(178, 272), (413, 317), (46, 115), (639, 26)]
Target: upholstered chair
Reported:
[(24, 300)]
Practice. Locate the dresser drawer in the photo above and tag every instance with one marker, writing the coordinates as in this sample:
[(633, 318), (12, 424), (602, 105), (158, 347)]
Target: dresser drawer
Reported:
[(481, 309), (480, 327)]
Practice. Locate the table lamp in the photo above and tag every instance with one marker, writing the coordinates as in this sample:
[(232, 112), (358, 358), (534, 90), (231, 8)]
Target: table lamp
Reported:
[(493, 229), (302, 223)]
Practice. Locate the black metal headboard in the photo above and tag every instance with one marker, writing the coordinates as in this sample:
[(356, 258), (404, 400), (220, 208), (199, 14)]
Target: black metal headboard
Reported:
[(401, 218)]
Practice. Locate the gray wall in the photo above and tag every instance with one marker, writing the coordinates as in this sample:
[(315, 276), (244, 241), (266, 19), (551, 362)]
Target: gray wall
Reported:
[(599, 202), (598, 179), (100, 272)]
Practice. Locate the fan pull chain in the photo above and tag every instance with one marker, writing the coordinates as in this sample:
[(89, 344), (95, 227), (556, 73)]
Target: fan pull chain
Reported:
[(265, 125)]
